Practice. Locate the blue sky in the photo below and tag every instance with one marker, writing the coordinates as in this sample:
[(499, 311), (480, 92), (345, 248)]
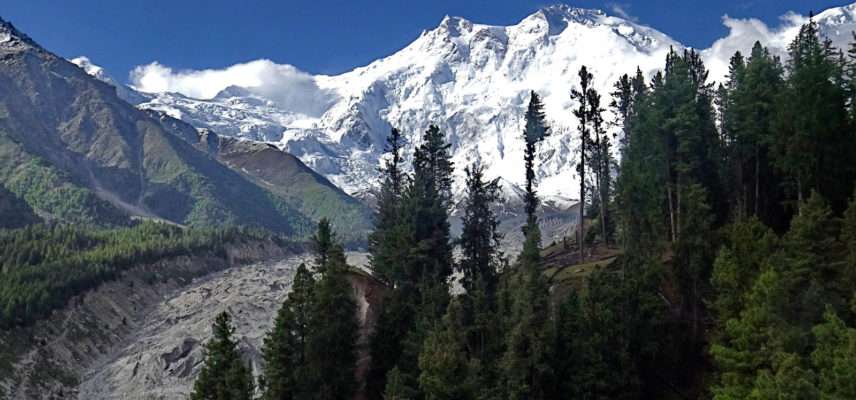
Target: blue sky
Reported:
[(321, 36)]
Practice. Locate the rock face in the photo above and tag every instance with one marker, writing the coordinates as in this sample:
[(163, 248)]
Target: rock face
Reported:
[(50, 356), (369, 294), (162, 358)]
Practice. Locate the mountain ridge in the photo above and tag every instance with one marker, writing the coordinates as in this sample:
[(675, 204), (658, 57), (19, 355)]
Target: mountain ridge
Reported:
[(75, 152)]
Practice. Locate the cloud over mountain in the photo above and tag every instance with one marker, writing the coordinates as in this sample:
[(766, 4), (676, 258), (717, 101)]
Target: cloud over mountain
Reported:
[(282, 83), (742, 35)]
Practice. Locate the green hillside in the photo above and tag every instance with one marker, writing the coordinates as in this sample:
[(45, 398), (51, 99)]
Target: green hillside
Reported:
[(74, 152)]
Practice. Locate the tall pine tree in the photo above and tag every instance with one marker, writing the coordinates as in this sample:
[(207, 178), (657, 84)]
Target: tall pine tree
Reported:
[(284, 351), (812, 126), (583, 114), (388, 241)]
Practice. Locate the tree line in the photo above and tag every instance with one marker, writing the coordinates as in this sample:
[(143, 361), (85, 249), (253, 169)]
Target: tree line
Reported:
[(43, 266)]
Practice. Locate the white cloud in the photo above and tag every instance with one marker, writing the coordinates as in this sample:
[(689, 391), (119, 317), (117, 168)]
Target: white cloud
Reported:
[(742, 35), (288, 86)]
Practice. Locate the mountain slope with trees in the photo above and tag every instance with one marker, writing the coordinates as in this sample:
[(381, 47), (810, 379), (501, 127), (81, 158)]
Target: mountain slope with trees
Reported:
[(73, 151)]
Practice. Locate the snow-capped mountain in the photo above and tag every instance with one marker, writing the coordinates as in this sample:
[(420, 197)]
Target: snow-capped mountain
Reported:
[(473, 81)]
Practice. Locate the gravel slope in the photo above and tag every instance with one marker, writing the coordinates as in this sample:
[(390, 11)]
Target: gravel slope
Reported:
[(161, 360)]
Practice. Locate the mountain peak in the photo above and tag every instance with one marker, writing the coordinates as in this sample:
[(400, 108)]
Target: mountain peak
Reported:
[(92, 69), (455, 25), (233, 91), (13, 39), (555, 18), (559, 12)]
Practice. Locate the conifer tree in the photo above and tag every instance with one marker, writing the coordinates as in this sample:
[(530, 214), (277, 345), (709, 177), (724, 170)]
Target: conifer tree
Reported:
[(331, 346), (600, 163), (428, 202), (420, 294), (315, 331), (583, 114), (835, 357), (387, 243), (536, 131), (621, 104), (764, 348), (748, 246), (443, 361), (224, 375), (526, 366), (570, 356), (812, 127), (693, 255), (479, 240), (850, 78), (323, 243), (753, 89), (284, 350), (332, 325)]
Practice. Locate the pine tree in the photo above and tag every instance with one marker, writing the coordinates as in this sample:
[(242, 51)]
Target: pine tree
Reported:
[(811, 125), (850, 78), (479, 240), (333, 326), (789, 379), (583, 114), (443, 361), (752, 339), (749, 244), (835, 358), (224, 375), (622, 105), (284, 349), (428, 201), (387, 243), (753, 89), (396, 319), (331, 346), (639, 187), (424, 293), (422, 246), (536, 131), (764, 348), (600, 163), (323, 243), (526, 364), (570, 358)]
